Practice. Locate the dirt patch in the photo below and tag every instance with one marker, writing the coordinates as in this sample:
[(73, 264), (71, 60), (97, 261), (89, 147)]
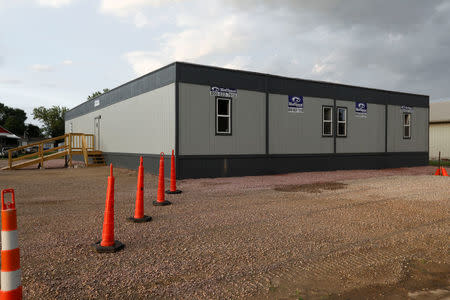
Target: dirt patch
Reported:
[(312, 187), (421, 280)]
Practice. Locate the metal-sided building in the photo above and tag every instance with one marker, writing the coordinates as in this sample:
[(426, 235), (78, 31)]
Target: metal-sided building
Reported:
[(224, 122), (440, 130)]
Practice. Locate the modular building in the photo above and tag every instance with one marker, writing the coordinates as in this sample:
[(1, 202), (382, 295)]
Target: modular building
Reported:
[(440, 130), (223, 122)]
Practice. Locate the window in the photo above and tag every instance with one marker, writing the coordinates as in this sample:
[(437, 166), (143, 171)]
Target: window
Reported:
[(407, 126), (342, 121), (223, 116), (327, 121)]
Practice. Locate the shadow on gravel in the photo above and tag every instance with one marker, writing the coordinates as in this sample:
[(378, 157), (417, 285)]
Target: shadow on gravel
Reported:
[(312, 187), (421, 280)]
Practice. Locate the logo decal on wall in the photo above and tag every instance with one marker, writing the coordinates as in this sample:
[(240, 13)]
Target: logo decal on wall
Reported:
[(406, 108), (295, 104), (222, 92), (361, 109)]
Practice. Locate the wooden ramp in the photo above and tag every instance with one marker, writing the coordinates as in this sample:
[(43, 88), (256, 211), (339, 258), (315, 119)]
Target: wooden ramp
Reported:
[(74, 144)]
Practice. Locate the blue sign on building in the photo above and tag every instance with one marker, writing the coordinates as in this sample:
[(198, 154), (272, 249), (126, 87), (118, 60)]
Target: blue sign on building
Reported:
[(361, 109), (295, 104)]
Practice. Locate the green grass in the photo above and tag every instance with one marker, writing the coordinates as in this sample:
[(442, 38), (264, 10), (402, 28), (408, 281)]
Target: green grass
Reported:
[(444, 163)]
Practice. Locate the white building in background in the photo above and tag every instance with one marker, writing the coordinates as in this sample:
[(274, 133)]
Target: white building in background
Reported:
[(440, 129)]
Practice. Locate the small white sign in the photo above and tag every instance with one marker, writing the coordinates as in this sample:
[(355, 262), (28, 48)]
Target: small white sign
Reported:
[(96, 102), (223, 92), (406, 108)]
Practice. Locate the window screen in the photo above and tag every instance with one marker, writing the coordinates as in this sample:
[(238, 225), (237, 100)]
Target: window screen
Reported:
[(342, 121), (327, 121), (407, 126), (223, 116)]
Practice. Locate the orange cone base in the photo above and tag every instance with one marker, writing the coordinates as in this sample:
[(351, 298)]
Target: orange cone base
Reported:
[(173, 192), (140, 220), (13, 295), (109, 249), (164, 203)]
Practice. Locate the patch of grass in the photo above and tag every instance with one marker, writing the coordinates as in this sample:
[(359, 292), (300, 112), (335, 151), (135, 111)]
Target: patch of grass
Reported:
[(445, 163)]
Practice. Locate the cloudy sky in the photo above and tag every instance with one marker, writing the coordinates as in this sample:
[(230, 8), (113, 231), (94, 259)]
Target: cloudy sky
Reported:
[(56, 52)]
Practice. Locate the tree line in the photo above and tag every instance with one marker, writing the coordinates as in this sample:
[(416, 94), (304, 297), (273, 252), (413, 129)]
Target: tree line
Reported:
[(13, 119)]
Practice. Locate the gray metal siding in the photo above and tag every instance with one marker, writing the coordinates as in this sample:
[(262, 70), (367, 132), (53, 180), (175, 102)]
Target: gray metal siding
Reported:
[(144, 84), (141, 124), (197, 123), (297, 133), (363, 134), (419, 130)]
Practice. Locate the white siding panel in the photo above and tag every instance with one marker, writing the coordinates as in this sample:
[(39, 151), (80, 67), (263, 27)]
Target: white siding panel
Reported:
[(142, 124), (440, 140)]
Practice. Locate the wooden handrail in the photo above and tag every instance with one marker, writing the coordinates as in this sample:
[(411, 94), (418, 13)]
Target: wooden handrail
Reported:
[(72, 141), (37, 153), (40, 142)]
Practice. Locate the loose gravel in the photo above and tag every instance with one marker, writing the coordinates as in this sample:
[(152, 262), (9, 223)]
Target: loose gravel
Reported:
[(250, 237)]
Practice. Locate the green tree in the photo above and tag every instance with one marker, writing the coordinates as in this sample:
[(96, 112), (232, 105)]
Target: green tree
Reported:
[(13, 119), (52, 118), (32, 131), (97, 93)]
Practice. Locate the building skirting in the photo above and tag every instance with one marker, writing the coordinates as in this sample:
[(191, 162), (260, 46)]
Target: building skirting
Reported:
[(131, 161), (199, 166)]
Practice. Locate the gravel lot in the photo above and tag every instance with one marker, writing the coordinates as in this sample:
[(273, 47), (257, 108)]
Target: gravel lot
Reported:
[(318, 235)]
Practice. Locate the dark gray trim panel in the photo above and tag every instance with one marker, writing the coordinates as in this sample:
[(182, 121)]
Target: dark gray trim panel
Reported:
[(250, 165), (131, 161), (207, 75), (151, 81)]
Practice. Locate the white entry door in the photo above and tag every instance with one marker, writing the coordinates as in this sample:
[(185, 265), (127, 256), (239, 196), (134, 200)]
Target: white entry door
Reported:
[(97, 132)]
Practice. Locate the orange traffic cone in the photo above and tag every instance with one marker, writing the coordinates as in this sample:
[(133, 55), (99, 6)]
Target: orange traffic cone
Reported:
[(160, 200), (139, 216), (10, 273), (108, 244), (173, 179), (444, 172), (438, 172)]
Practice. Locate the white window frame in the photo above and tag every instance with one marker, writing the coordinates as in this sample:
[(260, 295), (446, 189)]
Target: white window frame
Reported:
[(223, 116), (406, 125), (341, 122), (327, 121)]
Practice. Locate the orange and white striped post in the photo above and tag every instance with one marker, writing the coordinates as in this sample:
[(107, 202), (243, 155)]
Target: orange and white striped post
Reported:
[(11, 287)]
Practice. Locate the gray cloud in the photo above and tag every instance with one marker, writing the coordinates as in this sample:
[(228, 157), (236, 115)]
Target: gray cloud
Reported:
[(400, 45)]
